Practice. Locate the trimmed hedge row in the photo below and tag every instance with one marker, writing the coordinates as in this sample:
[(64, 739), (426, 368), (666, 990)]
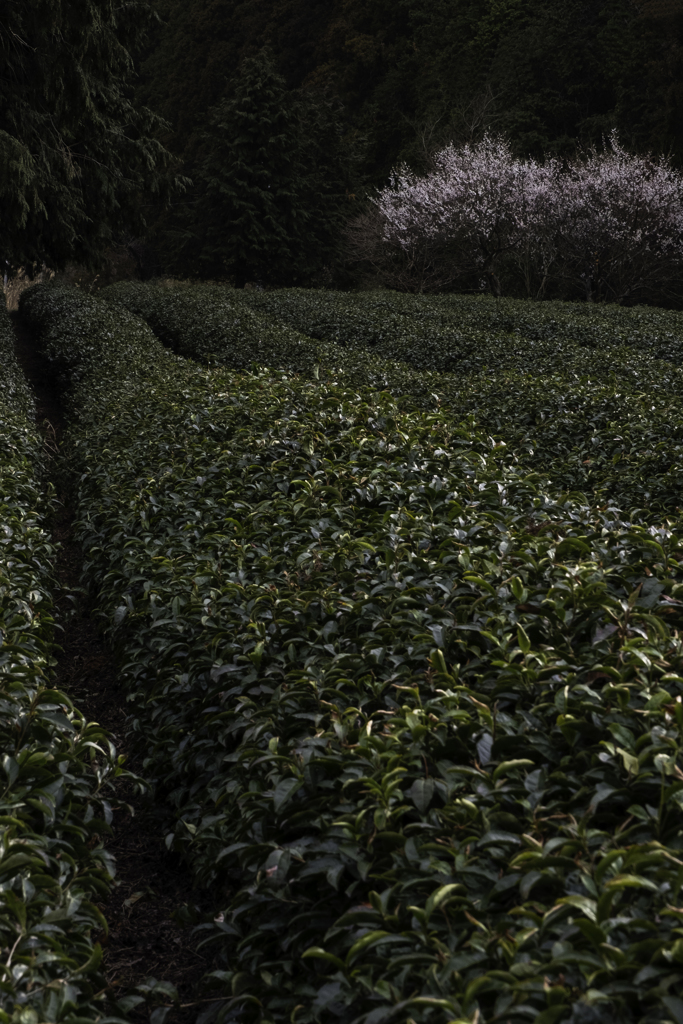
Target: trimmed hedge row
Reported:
[(108, 349), (57, 768), (448, 333), (382, 319), (15, 394), (210, 325), (419, 720), (204, 323), (606, 421), (236, 329), (361, 339)]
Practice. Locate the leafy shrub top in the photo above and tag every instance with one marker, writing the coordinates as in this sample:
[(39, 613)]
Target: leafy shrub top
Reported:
[(414, 708)]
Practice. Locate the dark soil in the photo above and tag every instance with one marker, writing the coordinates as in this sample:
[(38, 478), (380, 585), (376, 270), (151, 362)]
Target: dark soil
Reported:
[(143, 941)]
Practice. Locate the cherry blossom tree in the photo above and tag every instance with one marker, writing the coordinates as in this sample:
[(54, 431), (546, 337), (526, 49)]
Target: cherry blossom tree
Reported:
[(463, 219), (620, 225), (478, 205), (608, 225)]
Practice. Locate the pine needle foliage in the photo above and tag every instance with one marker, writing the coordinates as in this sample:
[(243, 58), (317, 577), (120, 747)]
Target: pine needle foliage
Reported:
[(271, 181), (75, 153)]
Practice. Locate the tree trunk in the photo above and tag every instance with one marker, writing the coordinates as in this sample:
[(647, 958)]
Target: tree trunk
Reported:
[(494, 284)]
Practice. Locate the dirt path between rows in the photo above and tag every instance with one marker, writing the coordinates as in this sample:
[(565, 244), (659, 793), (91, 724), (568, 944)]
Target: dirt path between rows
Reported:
[(144, 941)]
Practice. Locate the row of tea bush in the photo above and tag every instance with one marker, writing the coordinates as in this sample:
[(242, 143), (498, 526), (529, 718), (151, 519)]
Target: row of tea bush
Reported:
[(385, 318), (417, 714), (58, 769), (607, 420)]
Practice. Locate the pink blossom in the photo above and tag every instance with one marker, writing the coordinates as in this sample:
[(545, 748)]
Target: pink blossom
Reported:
[(608, 224)]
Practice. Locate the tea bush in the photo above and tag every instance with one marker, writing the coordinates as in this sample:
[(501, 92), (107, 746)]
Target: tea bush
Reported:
[(588, 395), (15, 393), (205, 323), (601, 418), (89, 354), (237, 328), (210, 324), (378, 318), (57, 768), (416, 712)]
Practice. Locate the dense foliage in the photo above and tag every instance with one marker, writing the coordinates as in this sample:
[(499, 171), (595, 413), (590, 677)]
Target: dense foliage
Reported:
[(416, 710), (411, 77), (211, 325), (410, 72), (76, 153), (57, 768), (269, 199), (591, 394), (364, 87)]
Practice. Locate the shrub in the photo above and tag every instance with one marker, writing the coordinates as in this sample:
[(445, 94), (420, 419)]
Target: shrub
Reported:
[(208, 324), (598, 413), (416, 714), (58, 768)]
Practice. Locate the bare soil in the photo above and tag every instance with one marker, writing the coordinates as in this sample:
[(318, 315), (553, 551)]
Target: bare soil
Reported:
[(144, 940)]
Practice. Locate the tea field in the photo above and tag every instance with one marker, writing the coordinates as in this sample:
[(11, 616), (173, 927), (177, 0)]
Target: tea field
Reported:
[(395, 590), (58, 770)]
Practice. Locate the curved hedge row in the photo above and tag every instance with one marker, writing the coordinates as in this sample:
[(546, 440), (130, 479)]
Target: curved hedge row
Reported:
[(57, 768), (607, 421), (210, 324), (236, 328), (493, 328), (419, 720), (109, 349), (204, 323), (448, 333)]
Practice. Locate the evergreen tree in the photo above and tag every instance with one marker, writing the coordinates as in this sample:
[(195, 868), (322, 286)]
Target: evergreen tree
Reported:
[(359, 51), (75, 153), (270, 184), (411, 73)]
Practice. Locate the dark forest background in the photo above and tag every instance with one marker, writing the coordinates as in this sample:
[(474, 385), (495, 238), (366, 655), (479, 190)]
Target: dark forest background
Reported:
[(247, 134), (411, 73), (346, 90)]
